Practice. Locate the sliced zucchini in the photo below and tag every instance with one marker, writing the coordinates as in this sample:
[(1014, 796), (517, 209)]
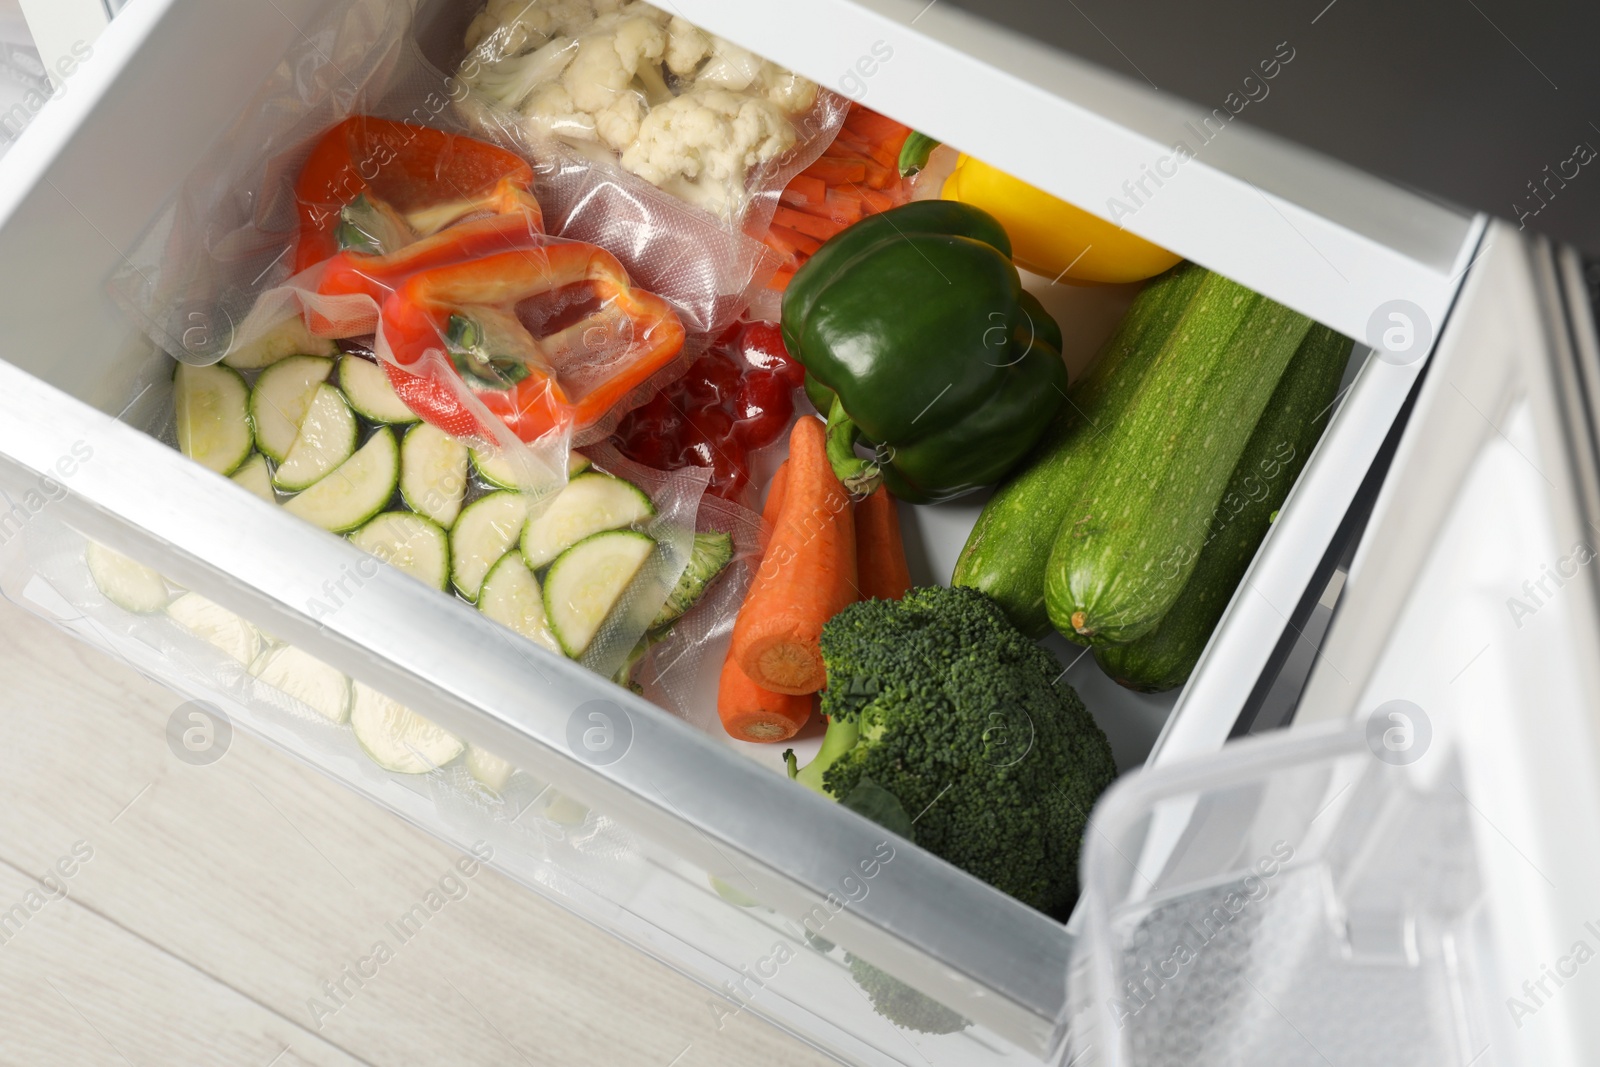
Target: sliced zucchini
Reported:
[(366, 386), (356, 489), (410, 543), (710, 556), (217, 626), (487, 529), (562, 809), (299, 674), (433, 473), (590, 504), (128, 584), (327, 438), (212, 405), (587, 580), (397, 738), (488, 768), (500, 470), (289, 338), (511, 597), (281, 398), (255, 476)]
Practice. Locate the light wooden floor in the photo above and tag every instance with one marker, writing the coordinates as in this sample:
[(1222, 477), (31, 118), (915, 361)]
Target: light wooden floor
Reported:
[(215, 901)]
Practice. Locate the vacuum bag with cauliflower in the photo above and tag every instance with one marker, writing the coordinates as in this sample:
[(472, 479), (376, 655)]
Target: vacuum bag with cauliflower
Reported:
[(627, 83)]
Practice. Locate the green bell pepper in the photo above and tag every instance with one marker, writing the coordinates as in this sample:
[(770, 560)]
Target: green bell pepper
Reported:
[(917, 338)]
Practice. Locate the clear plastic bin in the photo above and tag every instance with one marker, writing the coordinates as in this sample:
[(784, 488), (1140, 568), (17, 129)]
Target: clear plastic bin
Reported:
[(1306, 897)]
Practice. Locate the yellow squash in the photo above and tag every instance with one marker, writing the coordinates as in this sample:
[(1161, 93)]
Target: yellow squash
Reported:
[(1051, 237)]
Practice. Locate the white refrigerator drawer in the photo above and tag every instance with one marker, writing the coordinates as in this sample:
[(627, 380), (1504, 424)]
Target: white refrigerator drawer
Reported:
[(668, 808)]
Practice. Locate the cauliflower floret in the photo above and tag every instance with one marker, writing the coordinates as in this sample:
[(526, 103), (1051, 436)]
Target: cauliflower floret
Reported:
[(650, 11), (510, 81), (687, 47), (708, 138), (596, 74), (731, 67), (605, 64), (481, 26), (550, 114), (618, 124), (639, 41), (511, 27), (788, 90), (569, 17)]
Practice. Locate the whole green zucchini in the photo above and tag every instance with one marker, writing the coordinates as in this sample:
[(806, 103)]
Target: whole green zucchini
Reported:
[(1006, 552), (1130, 542), (1277, 451)]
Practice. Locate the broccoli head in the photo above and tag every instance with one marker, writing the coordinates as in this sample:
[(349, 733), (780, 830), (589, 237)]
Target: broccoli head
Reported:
[(964, 721)]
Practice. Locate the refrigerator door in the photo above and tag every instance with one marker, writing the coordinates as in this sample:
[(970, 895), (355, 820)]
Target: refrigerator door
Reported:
[(1473, 599), (668, 825)]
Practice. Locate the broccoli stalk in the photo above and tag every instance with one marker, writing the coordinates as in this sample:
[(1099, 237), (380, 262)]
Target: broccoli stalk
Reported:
[(840, 738)]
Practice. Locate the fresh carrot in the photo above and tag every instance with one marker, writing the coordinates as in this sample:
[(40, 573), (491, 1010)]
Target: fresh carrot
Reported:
[(775, 491), (780, 281), (838, 171), (881, 570), (751, 713), (748, 711), (805, 189), (810, 225), (807, 577), (769, 510)]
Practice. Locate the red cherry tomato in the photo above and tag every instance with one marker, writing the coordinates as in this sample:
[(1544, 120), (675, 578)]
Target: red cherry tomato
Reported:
[(763, 408), (736, 398), (763, 348)]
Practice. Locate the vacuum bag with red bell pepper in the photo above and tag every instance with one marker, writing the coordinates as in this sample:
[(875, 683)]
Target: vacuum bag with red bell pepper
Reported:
[(359, 168)]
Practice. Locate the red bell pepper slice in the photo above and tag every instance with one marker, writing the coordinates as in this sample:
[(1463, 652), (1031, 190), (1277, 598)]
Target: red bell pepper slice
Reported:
[(376, 185), (352, 272), (547, 338)]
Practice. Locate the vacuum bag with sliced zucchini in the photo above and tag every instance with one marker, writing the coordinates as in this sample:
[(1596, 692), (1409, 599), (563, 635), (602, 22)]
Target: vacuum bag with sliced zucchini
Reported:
[(596, 564), (236, 676)]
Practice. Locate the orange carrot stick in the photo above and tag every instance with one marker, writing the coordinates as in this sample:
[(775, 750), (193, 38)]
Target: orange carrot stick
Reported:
[(751, 713), (804, 189), (807, 577), (812, 225), (881, 567), (791, 241), (837, 171)]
